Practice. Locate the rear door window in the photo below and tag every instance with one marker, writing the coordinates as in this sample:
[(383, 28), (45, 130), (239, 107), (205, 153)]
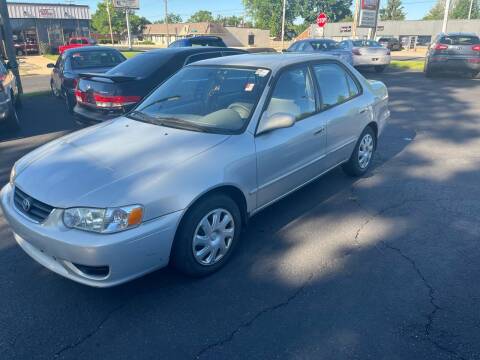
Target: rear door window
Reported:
[(95, 59), (460, 40), (336, 85)]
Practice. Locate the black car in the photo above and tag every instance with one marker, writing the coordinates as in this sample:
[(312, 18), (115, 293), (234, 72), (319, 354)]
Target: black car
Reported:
[(72, 62), (215, 41), (102, 97), (9, 97), (458, 52), (390, 43)]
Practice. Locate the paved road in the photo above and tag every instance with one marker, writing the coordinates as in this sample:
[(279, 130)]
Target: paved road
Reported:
[(35, 83), (383, 267)]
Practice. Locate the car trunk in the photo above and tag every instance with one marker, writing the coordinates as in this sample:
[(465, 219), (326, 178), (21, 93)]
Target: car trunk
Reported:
[(373, 51)]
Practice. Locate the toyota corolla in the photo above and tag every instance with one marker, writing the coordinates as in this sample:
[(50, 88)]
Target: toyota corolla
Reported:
[(175, 180)]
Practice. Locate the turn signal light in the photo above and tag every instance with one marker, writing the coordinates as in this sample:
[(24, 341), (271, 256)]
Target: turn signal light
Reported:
[(476, 47), (441, 47)]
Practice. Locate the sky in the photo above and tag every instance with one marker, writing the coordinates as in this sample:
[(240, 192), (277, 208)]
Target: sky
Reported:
[(153, 9)]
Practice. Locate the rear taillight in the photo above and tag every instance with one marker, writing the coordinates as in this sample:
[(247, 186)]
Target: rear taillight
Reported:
[(476, 47), (105, 101), (441, 47), (356, 52), (80, 96)]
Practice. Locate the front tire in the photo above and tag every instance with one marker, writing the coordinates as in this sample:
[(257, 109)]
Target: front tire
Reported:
[(362, 156), (69, 105), (54, 90), (207, 236)]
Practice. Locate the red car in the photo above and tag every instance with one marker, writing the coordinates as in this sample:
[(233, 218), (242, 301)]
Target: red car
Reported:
[(77, 42)]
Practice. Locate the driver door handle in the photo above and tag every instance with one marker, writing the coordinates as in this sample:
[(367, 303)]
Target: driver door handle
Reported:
[(319, 131), (363, 111)]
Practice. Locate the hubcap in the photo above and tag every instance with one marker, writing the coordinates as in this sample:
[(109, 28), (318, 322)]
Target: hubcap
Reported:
[(365, 151), (213, 237)]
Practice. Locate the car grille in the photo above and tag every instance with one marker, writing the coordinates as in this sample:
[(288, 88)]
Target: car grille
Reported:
[(33, 209)]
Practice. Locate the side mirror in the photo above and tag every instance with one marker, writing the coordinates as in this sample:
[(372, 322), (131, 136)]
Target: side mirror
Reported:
[(275, 121), (51, 65)]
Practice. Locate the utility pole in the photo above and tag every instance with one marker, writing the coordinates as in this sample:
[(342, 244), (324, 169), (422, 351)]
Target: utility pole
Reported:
[(355, 18), (445, 15), (128, 29), (283, 23), (109, 20), (373, 31), (470, 10), (6, 33), (166, 21)]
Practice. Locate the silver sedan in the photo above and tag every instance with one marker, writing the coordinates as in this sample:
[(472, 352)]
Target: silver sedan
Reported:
[(175, 180), (368, 53)]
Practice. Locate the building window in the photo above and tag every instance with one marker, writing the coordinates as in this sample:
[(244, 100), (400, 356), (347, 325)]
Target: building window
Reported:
[(251, 39)]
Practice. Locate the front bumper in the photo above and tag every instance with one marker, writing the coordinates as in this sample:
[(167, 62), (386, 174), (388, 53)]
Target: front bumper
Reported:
[(128, 254), (371, 60)]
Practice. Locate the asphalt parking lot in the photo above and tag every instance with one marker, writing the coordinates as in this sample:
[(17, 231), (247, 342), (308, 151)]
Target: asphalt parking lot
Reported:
[(383, 267)]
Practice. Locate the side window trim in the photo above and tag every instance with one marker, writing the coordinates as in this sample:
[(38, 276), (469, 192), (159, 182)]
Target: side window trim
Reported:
[(347, 72)]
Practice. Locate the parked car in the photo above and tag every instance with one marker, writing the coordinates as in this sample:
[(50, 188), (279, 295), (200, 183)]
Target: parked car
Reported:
[(25, 47), (9, 98), (69, 65), (199, 41), (254, 50), (368, 53), (326, 46), (106, 96), (459, 52), (76, 42), (390, 43), (176, 179)]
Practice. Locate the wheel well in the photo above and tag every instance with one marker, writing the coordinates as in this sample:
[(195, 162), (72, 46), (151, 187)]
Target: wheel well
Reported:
[(374, 127)]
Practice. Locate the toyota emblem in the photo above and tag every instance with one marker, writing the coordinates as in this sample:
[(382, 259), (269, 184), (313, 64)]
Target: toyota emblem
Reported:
[(26, 205)]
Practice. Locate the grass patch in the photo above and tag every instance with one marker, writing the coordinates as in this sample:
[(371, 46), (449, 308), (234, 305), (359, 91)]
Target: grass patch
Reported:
[(51, 57), (416, 65), (130, 54), (35, 93)]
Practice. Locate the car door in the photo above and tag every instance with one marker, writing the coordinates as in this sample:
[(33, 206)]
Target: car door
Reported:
[(287, 158), (57, 73), (347, 110)]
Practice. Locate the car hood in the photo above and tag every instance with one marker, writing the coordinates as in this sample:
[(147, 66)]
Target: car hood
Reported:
[(85, 168)]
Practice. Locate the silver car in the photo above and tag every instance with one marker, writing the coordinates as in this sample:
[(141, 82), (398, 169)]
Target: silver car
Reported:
[(175, 180), (368, 53)]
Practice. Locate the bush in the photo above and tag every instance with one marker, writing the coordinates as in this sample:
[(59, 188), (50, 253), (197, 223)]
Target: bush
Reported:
[(146, 42)]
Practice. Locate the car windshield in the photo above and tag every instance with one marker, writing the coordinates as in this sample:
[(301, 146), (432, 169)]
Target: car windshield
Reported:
[(205, 98), (324, 45), (366, 43), (460, 40), (96, 59)]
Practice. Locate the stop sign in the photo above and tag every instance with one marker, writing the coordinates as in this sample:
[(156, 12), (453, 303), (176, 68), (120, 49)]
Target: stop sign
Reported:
[(322, 19)]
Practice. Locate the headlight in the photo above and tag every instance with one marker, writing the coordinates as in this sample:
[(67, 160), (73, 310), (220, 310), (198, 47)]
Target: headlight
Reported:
[(103, 220), (13, 173)]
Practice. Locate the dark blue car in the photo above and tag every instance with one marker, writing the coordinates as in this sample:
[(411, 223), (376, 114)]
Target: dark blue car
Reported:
[(199, 41)]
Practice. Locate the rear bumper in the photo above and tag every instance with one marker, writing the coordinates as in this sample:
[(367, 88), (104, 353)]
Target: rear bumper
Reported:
[(444, 63), (371, 60), (126, 255), (84, 115)]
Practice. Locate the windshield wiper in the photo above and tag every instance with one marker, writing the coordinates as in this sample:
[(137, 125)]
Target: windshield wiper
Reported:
[(140, 116), (169, 98), (180, 124)]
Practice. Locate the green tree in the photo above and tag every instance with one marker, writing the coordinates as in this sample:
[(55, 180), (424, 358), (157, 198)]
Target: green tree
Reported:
[(201, 16), (230, 20), (267, 14), (172, 19), (436, 12), (461, 9), (336, 10), (119, 23), (393, 11)]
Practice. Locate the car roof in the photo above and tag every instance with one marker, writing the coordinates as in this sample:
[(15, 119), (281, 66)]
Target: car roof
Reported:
[(269, 61), (88, 48), (459, 33), (189, 50)]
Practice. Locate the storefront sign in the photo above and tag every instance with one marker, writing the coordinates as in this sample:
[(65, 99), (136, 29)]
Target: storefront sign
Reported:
[(46, 13), (126, 4), (347, 28), (368, 13)]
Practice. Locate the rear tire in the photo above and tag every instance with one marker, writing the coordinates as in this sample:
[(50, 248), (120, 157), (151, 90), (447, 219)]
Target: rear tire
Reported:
[(186, 254), (428, 72), (380, 68), (362, 156), (54, 90), (69, 105)]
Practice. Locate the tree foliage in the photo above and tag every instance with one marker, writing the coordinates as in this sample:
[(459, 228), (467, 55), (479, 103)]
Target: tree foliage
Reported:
[(436, 12), (201, 16), (119, 22), (462, 7), (393, 11), (172, 19), (336, 10)]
